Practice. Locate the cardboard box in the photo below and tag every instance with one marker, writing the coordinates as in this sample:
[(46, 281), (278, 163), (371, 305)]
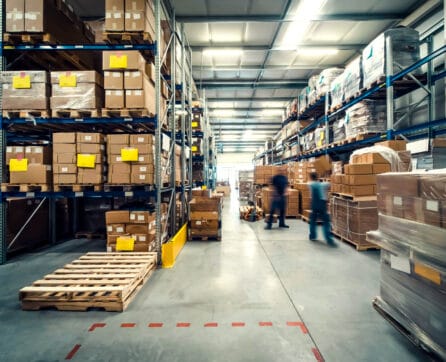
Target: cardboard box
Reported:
[(145, 159), (83, 137), (133, 80), (361, 180), (143, 169), (90, 178), (36, 174), (117, 217), (356, 169), (138, 228), (59, 148), (140, 217), (363, 190), (34, 98), (123, 60), (15, 16), (119, 178), (136, 139), (112, 239), (432, 212), (114, 80), (90, 148), (64, 137), (120, 168), (66, 158), (114, 15), (135, 99), (114, 99), (401, 184), (38, 154), (143, 178), (116, 228), (374, 158), (118, 139), (14, 152), (65, 179), (397, 145), (381, 168), (65, 169)]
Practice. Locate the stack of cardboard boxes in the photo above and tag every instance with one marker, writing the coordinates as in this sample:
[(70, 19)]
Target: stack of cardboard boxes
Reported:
[(304, 199), (196, 121), (130, 16), (205, 216), (131, 159), (264, 174), (292, 203), (128, 81), (47, 17), (130, 231), (297, 172), (25, 90), (78, 158), (29, 165), (76, 90)]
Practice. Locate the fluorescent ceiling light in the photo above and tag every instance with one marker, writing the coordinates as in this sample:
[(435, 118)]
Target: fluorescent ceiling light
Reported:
[(247, 133), (297, 29), (222, 52), (272, 112), (223, 112), (317, 51)]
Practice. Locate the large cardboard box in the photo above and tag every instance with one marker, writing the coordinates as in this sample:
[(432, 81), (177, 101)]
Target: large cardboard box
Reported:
[(38, 154), (114, 15), (123, 60), (381, 168), (65, 179), (133, 80), (362, 190), (114, 80), (118, 139), (361, 180), (114, 99), (25, 90), (142, 178), (117, 217), (84, 137), (356, 169), (136, 139), (64, 138), (36, 174), (65, 168), (14, 152), (135, 99), (397, 145), (15, 16)]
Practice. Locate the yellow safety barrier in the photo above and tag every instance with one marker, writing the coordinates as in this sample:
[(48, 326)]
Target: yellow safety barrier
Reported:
[(172, 248)]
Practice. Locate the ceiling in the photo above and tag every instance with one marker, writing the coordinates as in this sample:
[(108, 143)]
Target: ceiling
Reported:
[(252, 57)]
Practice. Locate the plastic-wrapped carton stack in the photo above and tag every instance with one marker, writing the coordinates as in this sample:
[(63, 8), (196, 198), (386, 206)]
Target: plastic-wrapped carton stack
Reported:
[(130, 231), (76, 90), (128, 81), (303, 99), (205, 216), (337, 91), (29, 165), (339, 130), (312, 93), (353, 78), (325, 79), (412, 234), (367, 116), (25, 91)]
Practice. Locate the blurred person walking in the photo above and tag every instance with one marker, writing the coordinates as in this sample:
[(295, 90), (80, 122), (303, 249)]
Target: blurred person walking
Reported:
[(278, 202)]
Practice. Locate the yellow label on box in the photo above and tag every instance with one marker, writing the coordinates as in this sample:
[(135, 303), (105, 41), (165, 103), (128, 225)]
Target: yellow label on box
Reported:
[(194, 124), (68, 81), (428, 273), (194, 148), (118, 61), (86, 161), (322, 135), (16, 165), (21, 82), (129, 154), (204, 187), (125, 244)]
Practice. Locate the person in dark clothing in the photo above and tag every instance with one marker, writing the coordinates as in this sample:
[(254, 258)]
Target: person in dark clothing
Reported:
[(280, 184), (319, 208)]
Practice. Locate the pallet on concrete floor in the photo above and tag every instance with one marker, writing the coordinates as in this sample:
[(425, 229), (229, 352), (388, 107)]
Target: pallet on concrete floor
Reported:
[(205, 238), (307, 220), (34, 113), (25, 187), (89, 235), (358, 246), (29, 38), (127, 37), (108, 281), (127, 187), (76, 113), (408, 329), (297, 217), (78, 188), (355, 198), (126, 113)]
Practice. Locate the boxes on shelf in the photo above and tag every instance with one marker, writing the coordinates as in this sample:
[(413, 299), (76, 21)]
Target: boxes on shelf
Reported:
[(367, 116), (304, 197), (25, 90), (264, 174), (76, 90), (29, 164), (130, 231), (292, 208), (353, 78), (205, 217), (325, 79)]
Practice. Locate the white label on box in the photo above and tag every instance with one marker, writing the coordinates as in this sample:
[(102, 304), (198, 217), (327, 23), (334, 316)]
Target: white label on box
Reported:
[(400, 263), (108, 93), (142, 177), (107, 74), (30, 16), (119, 93), (118, 159), (132, 216), (128, 16), (109, 229), (141, 158), (128, 194), (141, 218), (64, 169), (9, 15), (87, 138), (142, 238), (127, 74), (117, 15), (398, 201), (143, 169), (198, 223), (38, 150), (79, 194), (20, 149), (28, 149), (108, 15), (432, 205), (136, 74), (109, 249), (129, 92), (136, 16), (138, 93), (140, 139), (116, 75), (120, 229)]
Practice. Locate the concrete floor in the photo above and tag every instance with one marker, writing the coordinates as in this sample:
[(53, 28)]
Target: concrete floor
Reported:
[(290, 300)]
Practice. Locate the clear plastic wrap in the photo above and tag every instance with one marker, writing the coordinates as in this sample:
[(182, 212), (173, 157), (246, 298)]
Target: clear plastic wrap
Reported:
[(339, 133), (405, 50), (367, 116), (312, 97), (352, 81), (312, 82), (325, 79), (303, 99), (337, 91), (388, 154)]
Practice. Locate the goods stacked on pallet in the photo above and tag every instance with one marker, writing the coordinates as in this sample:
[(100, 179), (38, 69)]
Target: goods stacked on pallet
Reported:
[(429, 154), (223, 187), (205, 216), (292, 208), (368, 116), (245, 185), (412, 234), (130, 230), (78, 91)]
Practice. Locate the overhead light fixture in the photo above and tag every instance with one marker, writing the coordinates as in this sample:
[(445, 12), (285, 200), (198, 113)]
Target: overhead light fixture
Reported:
[(247, 133), (223, 112), (210, 52), (317, 51), (297, 29), (272, 112)]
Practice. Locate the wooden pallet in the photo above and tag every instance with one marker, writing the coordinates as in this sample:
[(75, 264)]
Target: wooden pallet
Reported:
[(76, 113), (358, 246), (355, 198), (307, 220), (78, 188), (127, 187), (296, 217), (205, 238), (25, 187), (126, 113), (109, 281), (29, 38), (128, 37), (89, 235), (26, 113)]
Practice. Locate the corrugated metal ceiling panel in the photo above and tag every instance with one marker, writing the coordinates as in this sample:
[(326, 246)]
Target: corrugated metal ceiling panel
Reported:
[(259, 33)]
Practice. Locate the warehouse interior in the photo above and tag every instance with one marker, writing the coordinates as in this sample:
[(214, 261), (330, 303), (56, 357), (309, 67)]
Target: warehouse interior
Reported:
[(140, 153)]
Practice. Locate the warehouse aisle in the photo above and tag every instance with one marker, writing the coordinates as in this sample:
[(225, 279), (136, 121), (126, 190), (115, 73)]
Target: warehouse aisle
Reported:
[(256, 296)]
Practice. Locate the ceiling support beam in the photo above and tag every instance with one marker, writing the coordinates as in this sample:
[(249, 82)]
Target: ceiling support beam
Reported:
[(278, 18), (249, 99), (269, 47), (251, 84), (256, 68)]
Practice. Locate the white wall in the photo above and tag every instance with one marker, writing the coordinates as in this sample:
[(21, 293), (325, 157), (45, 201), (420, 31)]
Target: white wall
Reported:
[(228, 165)]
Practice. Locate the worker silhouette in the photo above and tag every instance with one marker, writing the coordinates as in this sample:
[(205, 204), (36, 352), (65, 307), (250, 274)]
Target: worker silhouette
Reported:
[(278, 201), (319, 209)]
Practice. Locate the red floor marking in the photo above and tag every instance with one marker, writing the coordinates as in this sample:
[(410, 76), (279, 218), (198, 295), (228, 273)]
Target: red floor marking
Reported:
[(302, 326), (155, 325), (73, 351), (128, 325), (96, 325), (317, 355), (265, 324), (183, 325), (211, 324), (238, 324)]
